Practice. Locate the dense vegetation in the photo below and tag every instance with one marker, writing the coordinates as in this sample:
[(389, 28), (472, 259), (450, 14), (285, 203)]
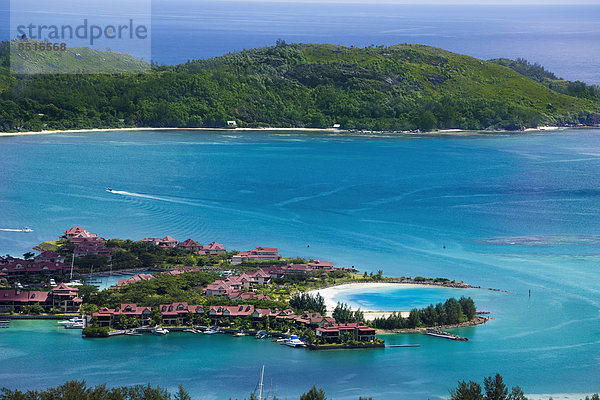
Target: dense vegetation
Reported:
[(25, 59), (538, 73), (495, 389), (308, 302), (344, 314), (403, 87), (451, 312), (131, 254), (78, 390)]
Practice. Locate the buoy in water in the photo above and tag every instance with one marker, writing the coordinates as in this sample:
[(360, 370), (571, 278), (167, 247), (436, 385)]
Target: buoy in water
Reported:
[(444, 246)]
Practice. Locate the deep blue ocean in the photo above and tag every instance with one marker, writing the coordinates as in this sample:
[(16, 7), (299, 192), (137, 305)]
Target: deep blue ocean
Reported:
[(565, 39), (516, 212)]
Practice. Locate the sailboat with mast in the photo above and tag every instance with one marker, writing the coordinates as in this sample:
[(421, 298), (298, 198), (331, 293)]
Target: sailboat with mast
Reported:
[(258, 391)]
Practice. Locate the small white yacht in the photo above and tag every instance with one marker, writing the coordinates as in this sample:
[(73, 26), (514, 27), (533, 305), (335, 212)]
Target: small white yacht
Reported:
[(210, 331), (293, 341), (75, 325), (74, 320), (159, 330)]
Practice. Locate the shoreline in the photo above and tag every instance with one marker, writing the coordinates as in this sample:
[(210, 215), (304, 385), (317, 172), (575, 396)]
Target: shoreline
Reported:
[(290, 129), (331, 293), (477, 320)]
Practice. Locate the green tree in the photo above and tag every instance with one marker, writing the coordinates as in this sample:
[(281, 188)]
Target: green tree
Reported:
[(495, 389), (88, 309), (414, 320), (182, 394), (428, 121), (314, 394), (28, 256), (454, 313), (36, 309), (468, 307), (467, 391), (156, 317), (517, 394)]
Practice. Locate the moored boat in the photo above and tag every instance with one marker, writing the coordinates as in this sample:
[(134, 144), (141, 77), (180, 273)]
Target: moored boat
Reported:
[(159, 330), (444, 335), (293, 341), (74, 320), (75, 325)]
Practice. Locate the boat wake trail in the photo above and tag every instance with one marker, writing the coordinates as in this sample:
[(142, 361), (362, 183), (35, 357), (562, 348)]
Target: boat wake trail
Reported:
[(151, 197), (15, 230)]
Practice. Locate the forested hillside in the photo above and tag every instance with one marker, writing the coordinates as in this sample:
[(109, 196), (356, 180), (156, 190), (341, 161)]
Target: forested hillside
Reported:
[(403, 87)]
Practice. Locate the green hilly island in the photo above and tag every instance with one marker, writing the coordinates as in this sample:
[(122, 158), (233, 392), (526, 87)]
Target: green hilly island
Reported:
[(397, 88), (73, 60)]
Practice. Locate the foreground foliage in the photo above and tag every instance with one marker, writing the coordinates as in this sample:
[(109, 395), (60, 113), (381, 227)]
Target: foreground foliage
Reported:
[(78, 390), (495, 389)]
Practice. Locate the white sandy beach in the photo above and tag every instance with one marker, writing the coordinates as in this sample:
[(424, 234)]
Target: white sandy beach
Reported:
[(332, 295), (331, 130), (557, 396), (327, 130)]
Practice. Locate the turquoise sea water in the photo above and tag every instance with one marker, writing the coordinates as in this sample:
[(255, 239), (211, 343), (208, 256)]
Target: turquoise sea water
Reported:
[(515, 212)]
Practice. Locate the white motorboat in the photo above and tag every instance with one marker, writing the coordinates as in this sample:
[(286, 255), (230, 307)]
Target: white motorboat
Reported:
[(191, 330), (159, 330), (293, 341), (210, 331), (75, 325), (74, 320)]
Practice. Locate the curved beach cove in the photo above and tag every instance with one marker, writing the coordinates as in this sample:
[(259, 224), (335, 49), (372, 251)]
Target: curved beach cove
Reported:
[(516, 212), (381, 299)]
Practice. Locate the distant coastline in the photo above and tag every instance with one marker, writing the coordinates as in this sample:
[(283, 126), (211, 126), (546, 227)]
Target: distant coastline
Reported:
[(315, 130)]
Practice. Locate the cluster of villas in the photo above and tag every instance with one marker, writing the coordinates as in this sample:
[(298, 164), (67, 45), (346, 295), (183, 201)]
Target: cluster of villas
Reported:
[(241, 286), (90, 243), (257, 254), (146, 277), (62, 297), (176, 314), (46, 263), (87, 243), (212, 248)]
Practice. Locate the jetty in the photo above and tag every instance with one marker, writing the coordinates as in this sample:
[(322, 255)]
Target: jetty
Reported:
[(445, 335)]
